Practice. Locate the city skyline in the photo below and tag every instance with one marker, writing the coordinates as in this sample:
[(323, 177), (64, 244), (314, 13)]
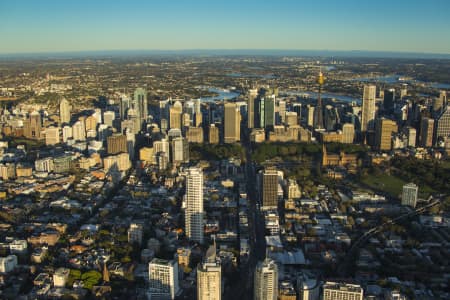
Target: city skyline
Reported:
[(47, 26)]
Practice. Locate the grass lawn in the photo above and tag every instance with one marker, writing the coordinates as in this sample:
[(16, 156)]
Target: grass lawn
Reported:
[(393, 185), (387, 183)]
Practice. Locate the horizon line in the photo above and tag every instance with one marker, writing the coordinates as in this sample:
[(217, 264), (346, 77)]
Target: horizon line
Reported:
[(262, 51)]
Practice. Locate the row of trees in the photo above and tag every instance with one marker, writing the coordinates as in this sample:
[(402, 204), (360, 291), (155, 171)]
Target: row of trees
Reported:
[(215, 152), (421, 172)]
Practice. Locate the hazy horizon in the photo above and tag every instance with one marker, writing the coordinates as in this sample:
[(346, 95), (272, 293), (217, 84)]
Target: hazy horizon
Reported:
[(224, 52), (65, 26)]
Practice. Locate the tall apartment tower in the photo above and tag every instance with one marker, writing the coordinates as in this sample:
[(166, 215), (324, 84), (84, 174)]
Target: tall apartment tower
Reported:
[(252, 94), (342, 291), (409, 194), (194, 204), (270, 188), (232, 123), (139, 103), (209, 277), (266, 280), (64, 111), (368, 108), (163, 279)]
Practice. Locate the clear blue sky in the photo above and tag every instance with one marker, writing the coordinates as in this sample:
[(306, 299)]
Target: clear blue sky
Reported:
[(74, 25)]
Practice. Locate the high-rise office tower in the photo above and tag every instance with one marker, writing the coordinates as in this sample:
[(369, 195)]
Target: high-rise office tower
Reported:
[(266, 280), (348, 133), (383, 134), (426, 132), (297, 107), (260, 119), (409, 194), (32, 127), (108, 118), (311, 113), (131, 141), (411, 133), (281, 111), (389, 100), (194, 205), (66, 133), (368, 108), (342, 291), (291, 118), (330, 118), (269, 111), (124, 106), (252, 94), (270, 188), (442, 132), (175, 115), (64, 111), (139, 103), (213, 135), (404, 90), (439, 103), (117, 143), (232, 123), (90, 123), (163, 279), (79, 131), (209, 277), (180, 150), (52, 135)]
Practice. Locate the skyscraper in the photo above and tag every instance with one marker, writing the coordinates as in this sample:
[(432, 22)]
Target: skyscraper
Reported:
[(266, 280), (64, 111), (52, 135), (124, 106), (209, 277), (409, 194), (383, 135), (388, 100), (116, 143), (194, 204), (32, 127), (348, 133), (139, 103), (426, 132), (439, 103), (175, 115), (269, 111), (163, 279), (442, 131), (270, 188), (368, 108), (252, 94), (232, 123)]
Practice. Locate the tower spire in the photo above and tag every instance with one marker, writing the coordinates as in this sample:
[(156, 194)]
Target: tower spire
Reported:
[(319, 111)]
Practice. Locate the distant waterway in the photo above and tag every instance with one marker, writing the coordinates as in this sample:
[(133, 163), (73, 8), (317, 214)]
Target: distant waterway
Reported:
[(392, 79), (241, 75), (222, 94), (314, 95)]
